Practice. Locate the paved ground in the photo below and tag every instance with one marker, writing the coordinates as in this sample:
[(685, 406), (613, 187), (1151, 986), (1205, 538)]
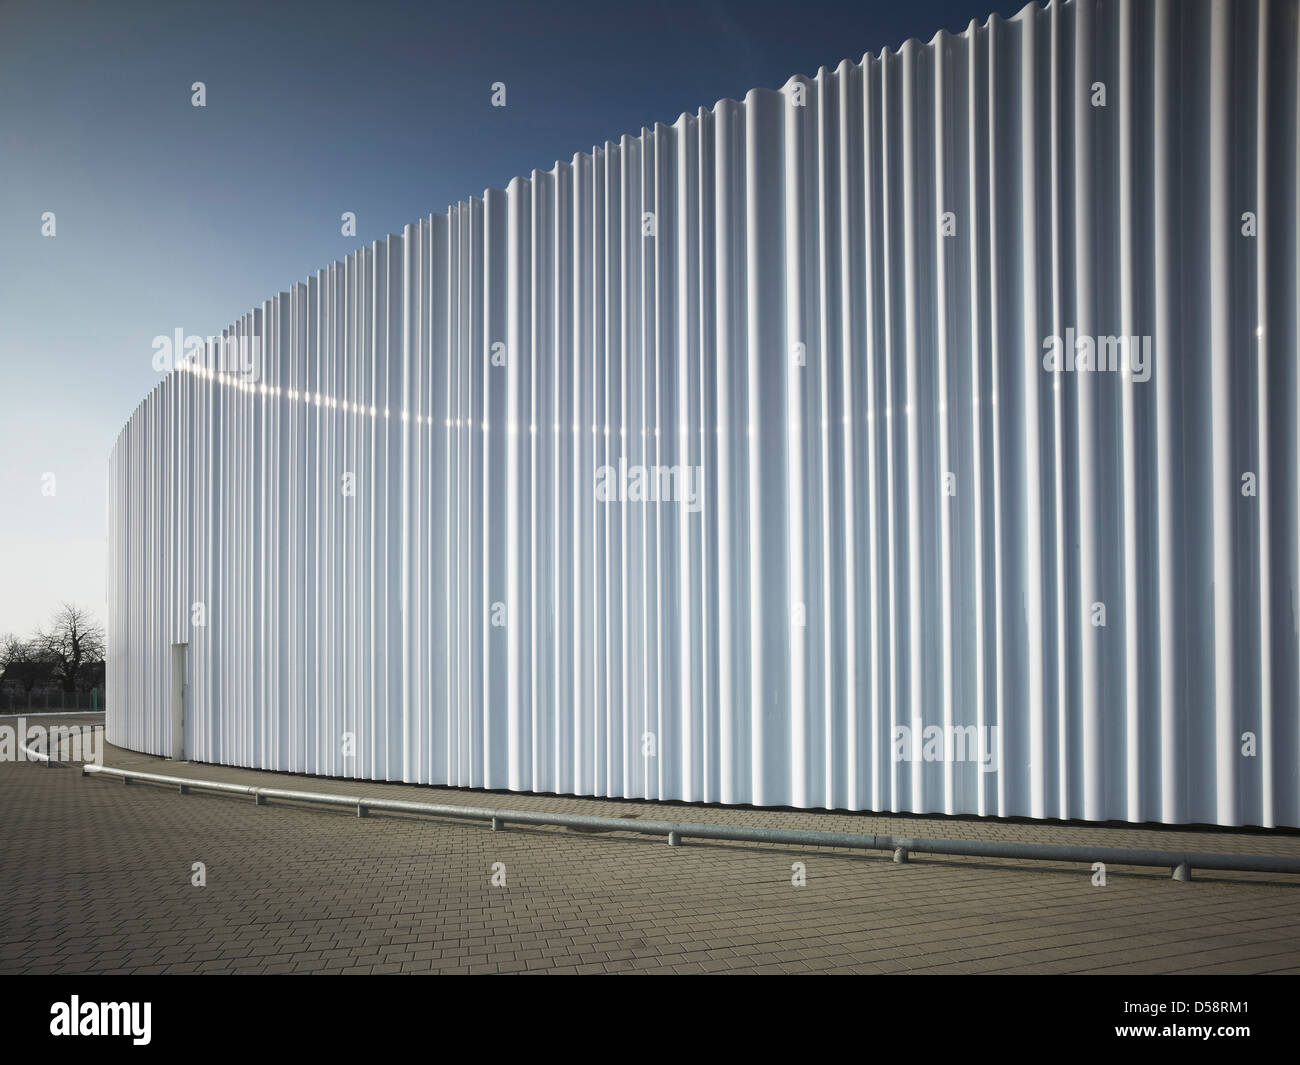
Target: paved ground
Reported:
[(96, 877)]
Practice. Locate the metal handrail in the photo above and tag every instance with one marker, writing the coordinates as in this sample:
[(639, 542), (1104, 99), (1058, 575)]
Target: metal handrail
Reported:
[(1180, 863)]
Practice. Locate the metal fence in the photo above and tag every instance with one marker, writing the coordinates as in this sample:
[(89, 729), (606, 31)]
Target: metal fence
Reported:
[(51, 702)]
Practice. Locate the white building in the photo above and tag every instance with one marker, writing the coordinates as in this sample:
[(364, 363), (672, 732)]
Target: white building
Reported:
[(874, 322)]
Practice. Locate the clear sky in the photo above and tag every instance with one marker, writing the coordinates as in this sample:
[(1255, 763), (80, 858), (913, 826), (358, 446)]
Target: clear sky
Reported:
[(170, 216)]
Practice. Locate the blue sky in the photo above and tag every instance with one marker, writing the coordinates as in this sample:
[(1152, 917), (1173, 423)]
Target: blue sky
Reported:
[(170, 216)]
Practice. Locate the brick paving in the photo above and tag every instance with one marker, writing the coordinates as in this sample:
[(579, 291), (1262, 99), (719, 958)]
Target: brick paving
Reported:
[(96, 878)]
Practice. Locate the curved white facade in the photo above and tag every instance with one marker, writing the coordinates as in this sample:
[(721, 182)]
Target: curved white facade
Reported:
[(831, 304)]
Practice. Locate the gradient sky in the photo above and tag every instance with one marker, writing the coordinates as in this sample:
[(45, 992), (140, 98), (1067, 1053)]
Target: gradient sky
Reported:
[(171, 216)]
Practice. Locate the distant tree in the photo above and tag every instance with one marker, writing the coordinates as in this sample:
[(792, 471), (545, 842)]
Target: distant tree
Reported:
[(91, 676), (73, 640), (25, 663), (12, 649)]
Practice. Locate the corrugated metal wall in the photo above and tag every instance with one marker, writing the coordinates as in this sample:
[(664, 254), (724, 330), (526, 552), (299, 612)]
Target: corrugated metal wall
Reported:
[(833, 302)]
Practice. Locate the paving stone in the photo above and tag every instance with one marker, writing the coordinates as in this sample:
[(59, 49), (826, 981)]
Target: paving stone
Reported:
[(97, 878)]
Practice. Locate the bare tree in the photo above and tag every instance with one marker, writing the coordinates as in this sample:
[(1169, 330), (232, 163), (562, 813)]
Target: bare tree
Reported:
[(12, 649), (25, 663), (74, 639)]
